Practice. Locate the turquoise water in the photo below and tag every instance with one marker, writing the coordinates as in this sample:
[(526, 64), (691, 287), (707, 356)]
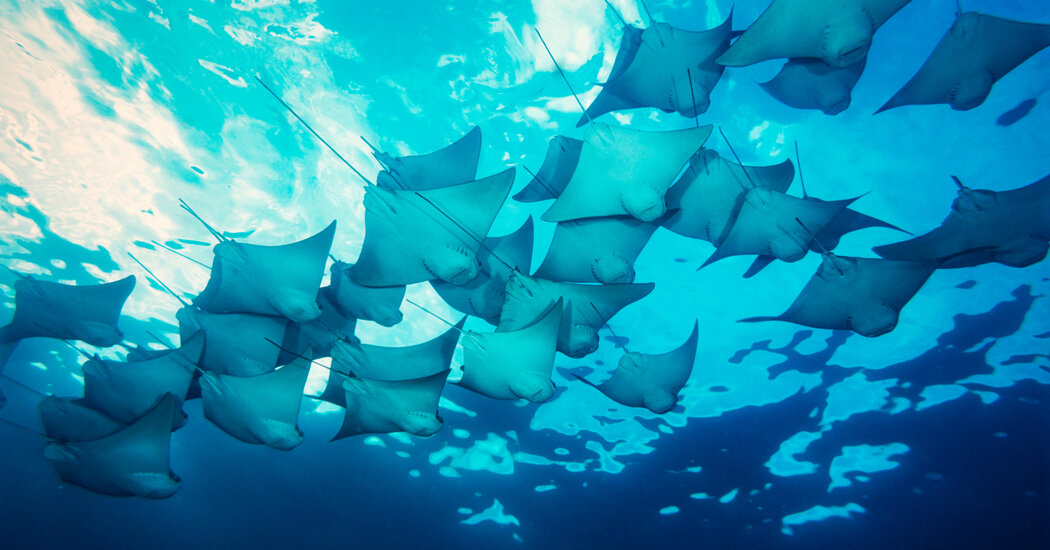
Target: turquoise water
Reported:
[(931, 435)]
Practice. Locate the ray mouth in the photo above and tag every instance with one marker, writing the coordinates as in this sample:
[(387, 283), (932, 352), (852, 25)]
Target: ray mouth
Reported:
[(837, 107), (853, 55)]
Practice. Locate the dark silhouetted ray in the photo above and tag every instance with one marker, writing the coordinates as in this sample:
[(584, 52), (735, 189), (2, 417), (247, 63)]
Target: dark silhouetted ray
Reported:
[(386, 406), (651, 381), (563, 154), (624, 171), (127, 391), (260, 409), (88, 313), (1009, 118), (976, 52), (235, 343), (456, 163), (601, 250), (483, 297), (415, 236), (710, 193), (864, 295), (587, 308), (515, 364), (1008, 227), (839, 32), (268, 280), (379, 304), (813, 84), (131, 462), (664, 67)]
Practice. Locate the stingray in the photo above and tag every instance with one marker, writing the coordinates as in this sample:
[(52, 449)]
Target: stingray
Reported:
[(976, 52), (665, 67), (321, 334), (839, 32), (387, 406), (69, 419), (236, 343), (260, 409), (415, 236), (710, 193), (563, 154), (597, 250), (127, 391), (88, 313), (767, 225), (587, 308), (483, 297), (1008, 227), (813, 84), (268, 280), (863, 295), (624, 171), (651, 381), (397, 363), (131, 462), (515, 364), (456, 163), (379, 304)]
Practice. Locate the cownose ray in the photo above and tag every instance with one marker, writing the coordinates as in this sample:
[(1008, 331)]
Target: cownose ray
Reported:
[(563, 154), (977, 51), (767, 225), (69, 419), (125, 391), (597, 250), (416, 236), (863, 295), (88, 313), (387, 406), (389, 363), (450, 165), (268, 280), (380, 304), (236, 343), (664, 67), (483, 297), (839, 32), (710, 193), (131, 462), (321, 334), (813, 84), (587, 308), (624, 171), (261, 409), (651, 381), (515, 364), (846, 221), (1007, 227)]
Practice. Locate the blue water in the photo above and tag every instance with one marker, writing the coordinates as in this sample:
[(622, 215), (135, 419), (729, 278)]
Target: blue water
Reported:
[(933, 436)]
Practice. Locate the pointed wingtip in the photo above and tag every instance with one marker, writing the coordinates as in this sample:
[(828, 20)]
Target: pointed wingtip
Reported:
[(887, 106), (714, 257)]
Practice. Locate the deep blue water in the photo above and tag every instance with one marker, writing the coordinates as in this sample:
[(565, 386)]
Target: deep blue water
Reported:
[(113, 110)]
